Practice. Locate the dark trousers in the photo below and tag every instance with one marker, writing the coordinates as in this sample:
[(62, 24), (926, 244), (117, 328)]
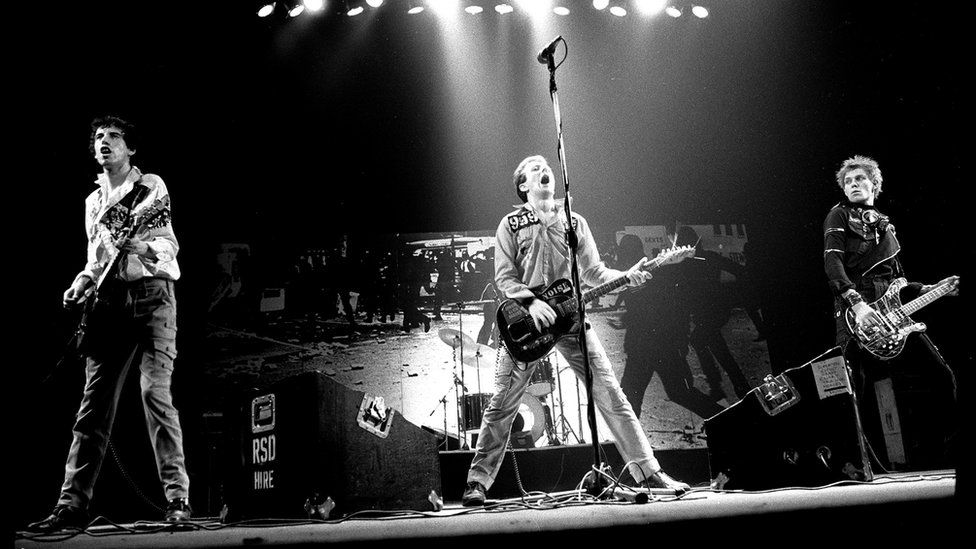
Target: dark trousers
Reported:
[(143, 329)]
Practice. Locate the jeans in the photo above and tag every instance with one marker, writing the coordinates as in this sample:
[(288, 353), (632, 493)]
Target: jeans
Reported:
[(510, 383), (144, 328)]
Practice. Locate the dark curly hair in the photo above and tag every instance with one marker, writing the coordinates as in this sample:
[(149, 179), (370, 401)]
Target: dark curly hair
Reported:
[(128, 131)]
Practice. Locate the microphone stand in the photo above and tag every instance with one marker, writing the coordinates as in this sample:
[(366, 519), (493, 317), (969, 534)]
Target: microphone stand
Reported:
[(572, 239)]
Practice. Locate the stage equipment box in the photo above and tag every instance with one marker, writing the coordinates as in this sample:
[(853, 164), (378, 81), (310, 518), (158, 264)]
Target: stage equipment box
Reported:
[(307, 446), (800, 428)]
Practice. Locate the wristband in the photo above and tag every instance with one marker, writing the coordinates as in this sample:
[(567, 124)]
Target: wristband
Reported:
[(853, 299)]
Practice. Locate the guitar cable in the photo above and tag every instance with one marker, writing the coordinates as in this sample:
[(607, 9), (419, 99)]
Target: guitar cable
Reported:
[(129, 480)]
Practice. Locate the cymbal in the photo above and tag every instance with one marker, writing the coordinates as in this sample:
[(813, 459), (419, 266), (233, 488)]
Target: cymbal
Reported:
[(477, 355), (454, 338)]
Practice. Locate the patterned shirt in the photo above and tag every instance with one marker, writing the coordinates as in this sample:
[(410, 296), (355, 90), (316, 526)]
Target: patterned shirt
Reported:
[(107, 211), (531, 254)]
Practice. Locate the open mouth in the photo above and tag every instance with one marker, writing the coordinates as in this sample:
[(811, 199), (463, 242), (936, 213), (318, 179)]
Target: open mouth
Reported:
[(105, 150)]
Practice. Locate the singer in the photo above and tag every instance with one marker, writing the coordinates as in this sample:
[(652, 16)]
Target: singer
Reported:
[(861, 261), (530, 253), (138, 326)]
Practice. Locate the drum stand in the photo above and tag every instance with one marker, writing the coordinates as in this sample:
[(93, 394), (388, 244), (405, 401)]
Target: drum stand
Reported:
[(560, 424), (455, 383)]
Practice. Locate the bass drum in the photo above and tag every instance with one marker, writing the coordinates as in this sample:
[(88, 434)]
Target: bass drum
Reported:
[(530, 419), (542, 381)]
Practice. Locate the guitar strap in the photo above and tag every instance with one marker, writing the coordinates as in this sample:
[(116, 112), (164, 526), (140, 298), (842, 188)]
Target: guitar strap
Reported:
[(129, 202), (886, 250)]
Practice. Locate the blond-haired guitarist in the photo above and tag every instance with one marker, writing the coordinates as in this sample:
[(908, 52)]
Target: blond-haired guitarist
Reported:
[(864, 272)]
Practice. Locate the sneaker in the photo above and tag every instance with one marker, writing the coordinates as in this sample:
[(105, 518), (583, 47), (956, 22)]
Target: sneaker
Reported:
[(661, 481), (62, 517), (178, 510), (474, 495)]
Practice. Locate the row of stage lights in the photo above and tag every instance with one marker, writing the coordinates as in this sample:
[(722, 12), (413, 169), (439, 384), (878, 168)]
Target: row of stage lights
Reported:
[(294, 8)]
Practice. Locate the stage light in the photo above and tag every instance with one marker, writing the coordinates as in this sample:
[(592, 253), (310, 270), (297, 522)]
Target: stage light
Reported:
[(560, 10), (699, 12), (618, 11), (474, 9), (415, 8), (266, 9), (672, 11), (374, 3), (296, 9), (314, 5), (601, 4), (504, 8), (650, 7)]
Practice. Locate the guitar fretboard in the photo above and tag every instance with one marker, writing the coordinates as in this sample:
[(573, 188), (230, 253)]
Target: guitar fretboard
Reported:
[(601, 290), (927, 298)]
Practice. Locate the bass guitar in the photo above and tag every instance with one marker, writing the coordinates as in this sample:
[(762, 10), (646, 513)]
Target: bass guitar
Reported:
[(518, 331), (104, 294), (888, 341)]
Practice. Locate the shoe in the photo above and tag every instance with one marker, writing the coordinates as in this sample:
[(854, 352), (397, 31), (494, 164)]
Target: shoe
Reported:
[(474, 495), (62, 517), (178, 510), (661, 481)]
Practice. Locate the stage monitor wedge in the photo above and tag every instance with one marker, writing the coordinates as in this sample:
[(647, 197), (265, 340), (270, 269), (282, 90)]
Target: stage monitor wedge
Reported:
[(307, 446), (800, 428)]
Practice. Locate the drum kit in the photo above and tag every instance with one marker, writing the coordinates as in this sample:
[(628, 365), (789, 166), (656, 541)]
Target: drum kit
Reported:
[(534, 419)]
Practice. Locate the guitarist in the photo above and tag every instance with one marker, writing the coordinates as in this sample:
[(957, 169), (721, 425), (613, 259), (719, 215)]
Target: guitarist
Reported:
[(861, 260), (133, 318), (530, 253)]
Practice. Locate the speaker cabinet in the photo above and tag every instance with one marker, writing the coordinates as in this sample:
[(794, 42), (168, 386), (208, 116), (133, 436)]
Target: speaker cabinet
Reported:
[(800, 428), (307, 446)]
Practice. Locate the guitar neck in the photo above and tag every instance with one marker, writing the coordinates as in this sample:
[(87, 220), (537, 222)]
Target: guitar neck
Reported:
[(604, 289), (927, 298)]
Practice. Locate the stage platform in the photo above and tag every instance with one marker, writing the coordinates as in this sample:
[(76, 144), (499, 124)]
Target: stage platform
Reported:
[(894, 507)]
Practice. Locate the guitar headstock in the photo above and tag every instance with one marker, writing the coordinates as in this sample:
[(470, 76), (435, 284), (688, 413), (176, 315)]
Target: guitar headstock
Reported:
[(951, 283), (673, 255)]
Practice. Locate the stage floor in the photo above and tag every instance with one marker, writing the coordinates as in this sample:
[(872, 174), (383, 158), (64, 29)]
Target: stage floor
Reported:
[(891, 507)]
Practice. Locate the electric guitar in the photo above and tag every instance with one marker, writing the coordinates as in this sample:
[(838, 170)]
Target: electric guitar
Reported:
[(515, 325), (887, 342), (105, 293)]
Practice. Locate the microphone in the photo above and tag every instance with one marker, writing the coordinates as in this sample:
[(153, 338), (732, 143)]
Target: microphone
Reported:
[(548, 50)]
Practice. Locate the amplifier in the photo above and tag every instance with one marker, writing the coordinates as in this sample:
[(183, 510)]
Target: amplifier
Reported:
[(307, 446), (800, 428)]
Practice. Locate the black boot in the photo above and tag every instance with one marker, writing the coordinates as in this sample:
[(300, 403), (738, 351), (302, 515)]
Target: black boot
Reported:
[(62, 517)]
